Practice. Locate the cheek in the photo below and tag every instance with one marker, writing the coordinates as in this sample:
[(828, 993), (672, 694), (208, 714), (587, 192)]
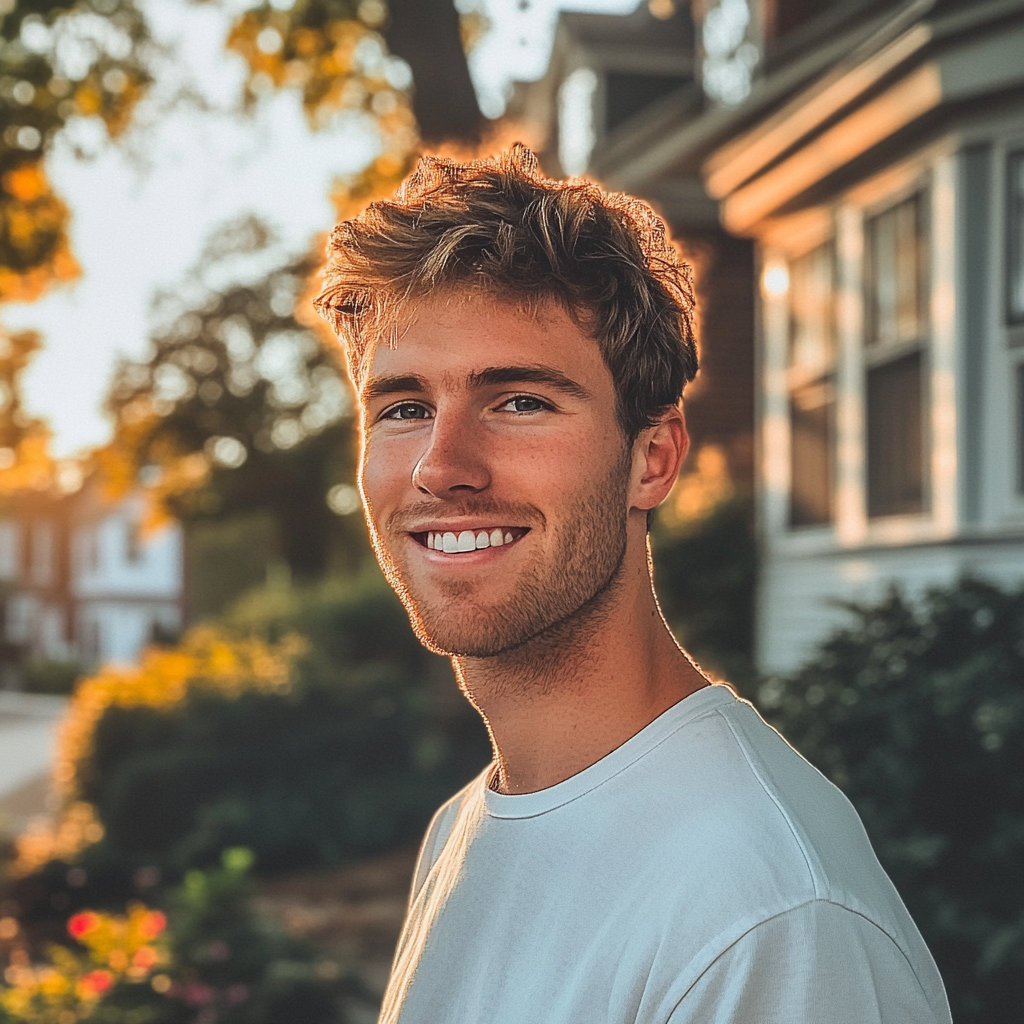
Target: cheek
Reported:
[(379, 476)]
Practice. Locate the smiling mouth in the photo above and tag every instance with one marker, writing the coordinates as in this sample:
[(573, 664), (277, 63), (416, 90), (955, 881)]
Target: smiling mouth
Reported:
[(451, 543)]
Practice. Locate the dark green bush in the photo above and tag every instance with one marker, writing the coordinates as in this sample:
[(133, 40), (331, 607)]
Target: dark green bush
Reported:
[(41, 675), (917, 714), (351, 760), (705, 572)]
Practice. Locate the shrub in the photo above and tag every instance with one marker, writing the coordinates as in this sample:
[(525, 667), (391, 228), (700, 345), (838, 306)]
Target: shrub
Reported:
[(918, 715), (207, 960), (305, 728), (705, 569), (55, 677)]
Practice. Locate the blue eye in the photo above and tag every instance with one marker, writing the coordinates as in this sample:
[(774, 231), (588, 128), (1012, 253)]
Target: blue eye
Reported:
[(407, 411), (526, 403)]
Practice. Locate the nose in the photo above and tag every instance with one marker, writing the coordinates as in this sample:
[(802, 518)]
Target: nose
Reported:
[(454, 462)]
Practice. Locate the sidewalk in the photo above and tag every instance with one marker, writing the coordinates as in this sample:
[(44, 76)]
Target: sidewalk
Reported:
[(28, 726)]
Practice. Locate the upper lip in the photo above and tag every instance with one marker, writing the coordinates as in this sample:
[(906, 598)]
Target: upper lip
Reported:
[(458, 527)]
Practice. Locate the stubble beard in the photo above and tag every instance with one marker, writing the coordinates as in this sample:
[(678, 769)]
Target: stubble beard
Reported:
[(583, 564)]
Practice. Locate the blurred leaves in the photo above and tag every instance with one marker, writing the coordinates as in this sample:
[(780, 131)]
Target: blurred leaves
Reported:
[(61, 64), (331, 51), (239, 405), (309, 752), (208, 959), (705, 567)]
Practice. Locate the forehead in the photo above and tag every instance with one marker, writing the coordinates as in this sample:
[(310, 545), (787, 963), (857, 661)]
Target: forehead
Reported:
[(452, 335)]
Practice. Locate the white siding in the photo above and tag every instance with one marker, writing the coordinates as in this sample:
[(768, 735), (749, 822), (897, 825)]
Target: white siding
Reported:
[(103, 562), (798, 601)]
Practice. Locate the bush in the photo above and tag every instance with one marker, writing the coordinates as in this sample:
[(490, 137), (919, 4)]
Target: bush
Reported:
[(918, 715), (705, 569), (53, 677), (208, 959), (306, 729)]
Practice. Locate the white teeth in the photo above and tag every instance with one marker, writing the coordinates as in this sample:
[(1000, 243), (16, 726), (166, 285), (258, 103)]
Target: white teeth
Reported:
[(451, 543)]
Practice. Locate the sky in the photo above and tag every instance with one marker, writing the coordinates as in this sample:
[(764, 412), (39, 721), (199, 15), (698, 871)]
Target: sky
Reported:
[(143, 208)]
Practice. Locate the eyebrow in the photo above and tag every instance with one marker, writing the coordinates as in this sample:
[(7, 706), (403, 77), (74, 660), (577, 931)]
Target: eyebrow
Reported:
[(496, 375), (377, 387), (491, 376)]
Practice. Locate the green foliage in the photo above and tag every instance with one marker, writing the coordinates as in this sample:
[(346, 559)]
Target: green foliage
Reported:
[(224, 558), (58, 60), (209, 959), (918, 716), (348, 761), (704, 573), (226, 959), (238, 407), (43, 676)]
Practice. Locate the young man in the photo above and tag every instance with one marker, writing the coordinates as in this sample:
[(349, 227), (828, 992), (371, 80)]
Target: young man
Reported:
[(643, 848)]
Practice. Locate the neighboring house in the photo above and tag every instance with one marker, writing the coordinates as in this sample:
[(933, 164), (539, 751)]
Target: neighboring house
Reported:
[(874, 154), (614, 86), (82, 580), (126, 581)]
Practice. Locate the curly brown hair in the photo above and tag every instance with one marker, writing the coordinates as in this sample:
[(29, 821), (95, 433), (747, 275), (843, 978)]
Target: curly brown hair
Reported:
[(500, 227)]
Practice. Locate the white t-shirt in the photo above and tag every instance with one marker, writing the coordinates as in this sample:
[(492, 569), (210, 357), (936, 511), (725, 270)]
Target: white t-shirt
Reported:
[(701, 873)]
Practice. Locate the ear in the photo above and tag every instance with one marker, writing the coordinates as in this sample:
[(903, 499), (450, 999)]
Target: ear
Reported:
[(658, 454)]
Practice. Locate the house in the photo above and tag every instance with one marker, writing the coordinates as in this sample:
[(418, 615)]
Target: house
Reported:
[(613, 87), (83, 580), (872, 154), (126, 579)]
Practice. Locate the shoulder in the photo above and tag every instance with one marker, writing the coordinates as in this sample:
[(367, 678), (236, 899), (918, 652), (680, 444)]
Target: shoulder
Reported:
[(791, 851), (760, 828), (441, 827), (816, 961), (800, 816)]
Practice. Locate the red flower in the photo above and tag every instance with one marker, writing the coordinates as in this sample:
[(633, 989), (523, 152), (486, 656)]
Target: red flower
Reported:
[(152, 924), (97, 982), (82, 924)]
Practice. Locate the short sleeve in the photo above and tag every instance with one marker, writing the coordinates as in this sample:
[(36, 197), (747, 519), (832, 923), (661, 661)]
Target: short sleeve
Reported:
[(819, 963)]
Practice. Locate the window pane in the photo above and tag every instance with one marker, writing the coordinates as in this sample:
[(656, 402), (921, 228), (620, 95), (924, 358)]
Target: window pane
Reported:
[(895, 411), (811, 415), (895, 275), (811, 387), (1020, 428), (1015, 239), (812, 333)]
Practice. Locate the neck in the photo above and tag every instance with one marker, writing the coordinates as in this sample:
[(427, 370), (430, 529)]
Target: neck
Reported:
[(565, 699)]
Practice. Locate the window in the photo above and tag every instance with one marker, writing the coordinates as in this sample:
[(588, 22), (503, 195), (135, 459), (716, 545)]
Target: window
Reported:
[(9, 550), (42, 565), (895, 387), (1015, 239), (133, 541), (1020, 428), (811, 378), (895, 443)]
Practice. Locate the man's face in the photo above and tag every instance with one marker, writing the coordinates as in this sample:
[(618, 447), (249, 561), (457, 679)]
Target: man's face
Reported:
[(494, 472)]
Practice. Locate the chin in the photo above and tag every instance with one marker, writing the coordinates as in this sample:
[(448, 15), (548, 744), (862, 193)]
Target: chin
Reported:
[(469, 632)]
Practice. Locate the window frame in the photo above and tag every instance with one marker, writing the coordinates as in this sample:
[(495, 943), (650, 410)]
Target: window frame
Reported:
[(877, 354), (1013, 247)]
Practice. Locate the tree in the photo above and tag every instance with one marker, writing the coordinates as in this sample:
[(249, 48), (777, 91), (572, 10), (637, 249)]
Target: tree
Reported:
[(58, 61), (335, 52), (239, 405)]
